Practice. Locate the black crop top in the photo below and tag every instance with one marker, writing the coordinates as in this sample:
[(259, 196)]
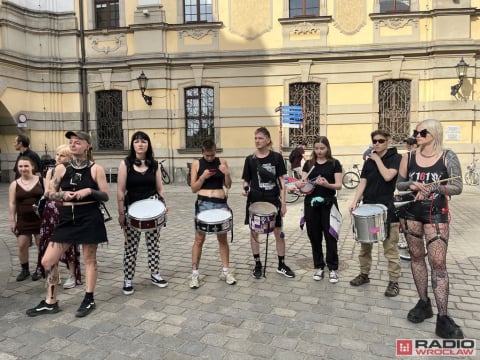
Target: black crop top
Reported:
[(78, 179), (213, 182)]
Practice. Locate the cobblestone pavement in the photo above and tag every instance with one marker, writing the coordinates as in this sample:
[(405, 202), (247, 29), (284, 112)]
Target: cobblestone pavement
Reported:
[(272, 318)]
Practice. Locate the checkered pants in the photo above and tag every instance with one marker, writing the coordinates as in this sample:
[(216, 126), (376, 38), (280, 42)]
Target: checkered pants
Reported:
[(132, 239)]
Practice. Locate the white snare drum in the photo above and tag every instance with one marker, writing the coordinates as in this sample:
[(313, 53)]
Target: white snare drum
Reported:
[(370, 223), (214, 221), (307, 189), (262, 217), (146, 215)]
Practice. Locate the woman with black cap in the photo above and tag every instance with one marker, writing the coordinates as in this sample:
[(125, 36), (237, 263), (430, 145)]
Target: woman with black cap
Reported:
[(81, 185)]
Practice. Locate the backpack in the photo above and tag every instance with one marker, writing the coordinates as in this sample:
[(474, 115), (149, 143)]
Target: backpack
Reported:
[(291, 157)]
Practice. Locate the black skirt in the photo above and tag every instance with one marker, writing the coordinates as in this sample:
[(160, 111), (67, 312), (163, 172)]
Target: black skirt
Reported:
[(80, 224)]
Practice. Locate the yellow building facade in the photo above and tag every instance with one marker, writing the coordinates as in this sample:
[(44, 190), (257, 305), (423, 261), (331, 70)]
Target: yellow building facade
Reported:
[(220, 69)]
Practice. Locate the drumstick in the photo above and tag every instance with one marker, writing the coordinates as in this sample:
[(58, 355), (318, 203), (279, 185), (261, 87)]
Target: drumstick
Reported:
[(440, 181)]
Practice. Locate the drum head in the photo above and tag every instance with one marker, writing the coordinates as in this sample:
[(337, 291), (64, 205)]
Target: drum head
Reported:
[(213, 216), (262, 208), (307, 189), (369, 210), (146, 209)]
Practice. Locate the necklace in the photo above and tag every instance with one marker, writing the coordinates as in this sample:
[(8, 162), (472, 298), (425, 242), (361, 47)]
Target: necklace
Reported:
[(79, 163), (428, 156), (28, 183)]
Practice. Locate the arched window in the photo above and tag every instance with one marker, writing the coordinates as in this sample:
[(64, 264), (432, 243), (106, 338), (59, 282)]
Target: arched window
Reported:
[(306, 95), (199, 116), (394, 108), (109, 120)]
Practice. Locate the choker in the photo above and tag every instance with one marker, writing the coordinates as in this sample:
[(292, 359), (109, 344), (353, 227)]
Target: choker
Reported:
[(428, 156), (81, 165)]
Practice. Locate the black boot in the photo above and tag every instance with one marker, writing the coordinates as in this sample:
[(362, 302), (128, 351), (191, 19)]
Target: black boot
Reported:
[(421, 311), (447, 329)]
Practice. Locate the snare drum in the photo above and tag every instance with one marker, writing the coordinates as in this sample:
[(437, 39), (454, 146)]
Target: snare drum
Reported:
[(307, 189), (214, 221), (146, 215), (370, 223), (262, 217)]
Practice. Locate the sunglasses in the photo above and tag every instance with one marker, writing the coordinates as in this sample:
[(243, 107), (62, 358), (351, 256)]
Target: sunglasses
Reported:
[(423, 133), (380, 141)]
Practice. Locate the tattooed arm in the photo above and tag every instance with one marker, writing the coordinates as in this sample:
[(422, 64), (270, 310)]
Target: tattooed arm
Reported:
[(53, 192), (454, 186)]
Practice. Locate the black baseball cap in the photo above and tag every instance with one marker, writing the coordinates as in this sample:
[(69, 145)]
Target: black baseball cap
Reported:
[(79, 134)]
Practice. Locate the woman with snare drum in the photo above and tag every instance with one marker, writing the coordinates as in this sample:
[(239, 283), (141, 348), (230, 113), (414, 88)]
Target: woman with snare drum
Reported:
[(139, 179), (263, 181), (377, 185), (433, 174), (208, 177), (325, 173), (81, 184)]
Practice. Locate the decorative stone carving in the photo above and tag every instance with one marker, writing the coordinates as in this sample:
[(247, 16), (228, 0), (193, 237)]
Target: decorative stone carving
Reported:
[(107, 43), (197, 34), (250, 18), (396, 23), (350, 16), (306, 28)]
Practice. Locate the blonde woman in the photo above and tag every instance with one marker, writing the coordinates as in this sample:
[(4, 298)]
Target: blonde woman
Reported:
[(433, 174), (50, 218)]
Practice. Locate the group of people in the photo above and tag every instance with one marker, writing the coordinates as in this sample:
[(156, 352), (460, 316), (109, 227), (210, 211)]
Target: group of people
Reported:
[(77, 185), (430, 174)]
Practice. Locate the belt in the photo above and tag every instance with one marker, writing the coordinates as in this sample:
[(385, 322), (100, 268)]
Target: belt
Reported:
[(71, 203), (212, 199)]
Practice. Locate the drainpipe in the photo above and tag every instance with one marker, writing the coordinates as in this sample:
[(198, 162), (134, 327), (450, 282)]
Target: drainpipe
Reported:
[(83, 72)]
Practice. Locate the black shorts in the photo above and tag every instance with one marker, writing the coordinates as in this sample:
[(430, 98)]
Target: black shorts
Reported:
[(426, 211)]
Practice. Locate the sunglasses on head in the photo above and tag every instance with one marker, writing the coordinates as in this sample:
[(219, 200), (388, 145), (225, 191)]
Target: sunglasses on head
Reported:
[(423, 133), (381, 141)]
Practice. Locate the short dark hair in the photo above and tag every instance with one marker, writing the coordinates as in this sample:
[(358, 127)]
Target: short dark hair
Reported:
[(380, 132), (208, 145), (24, 140)]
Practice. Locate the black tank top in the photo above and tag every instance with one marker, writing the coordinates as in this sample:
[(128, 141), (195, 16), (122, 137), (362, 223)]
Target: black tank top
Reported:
[(78, 179), (140, 185), (436, 172), (214, 182)]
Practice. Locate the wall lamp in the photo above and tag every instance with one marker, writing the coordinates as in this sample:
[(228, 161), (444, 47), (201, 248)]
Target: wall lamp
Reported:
[(142, 84), (461, 67)]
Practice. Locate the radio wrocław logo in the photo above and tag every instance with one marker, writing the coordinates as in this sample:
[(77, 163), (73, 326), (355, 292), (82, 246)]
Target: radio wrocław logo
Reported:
[(436, 347)]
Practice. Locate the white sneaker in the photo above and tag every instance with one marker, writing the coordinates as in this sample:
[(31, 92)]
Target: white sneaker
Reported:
[(333, 277), (227, 277), (127, 287), (318, 275), (70, 283), (194, 283)]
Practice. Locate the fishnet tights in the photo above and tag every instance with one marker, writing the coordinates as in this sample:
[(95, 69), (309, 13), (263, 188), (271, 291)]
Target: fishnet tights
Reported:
[(437, 258)]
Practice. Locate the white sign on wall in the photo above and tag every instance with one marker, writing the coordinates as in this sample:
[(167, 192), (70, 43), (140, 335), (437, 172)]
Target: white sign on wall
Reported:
[(452, 133)]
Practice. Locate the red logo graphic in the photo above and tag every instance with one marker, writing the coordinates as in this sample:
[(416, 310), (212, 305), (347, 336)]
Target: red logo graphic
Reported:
[(404, 347)]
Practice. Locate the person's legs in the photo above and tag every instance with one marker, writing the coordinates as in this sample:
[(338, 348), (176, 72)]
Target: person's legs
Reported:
[(50, 262), (224, 249), (23, 243), (391, 253), (132, 239), (365, 260), (314, 233), (197, 249), (91, 266), (152, 240)]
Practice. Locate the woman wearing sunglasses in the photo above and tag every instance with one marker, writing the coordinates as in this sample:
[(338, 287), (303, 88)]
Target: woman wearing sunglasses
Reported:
[(433, 174), (377, 184)]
